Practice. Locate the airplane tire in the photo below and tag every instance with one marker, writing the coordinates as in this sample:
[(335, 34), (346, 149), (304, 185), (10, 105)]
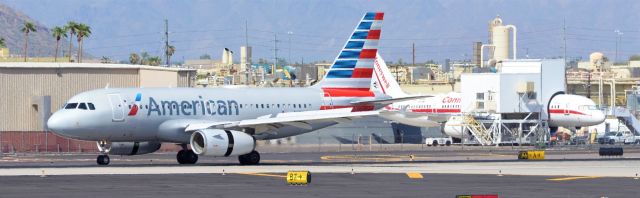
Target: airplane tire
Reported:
[(252, 158), (186, 157), (103, 160)]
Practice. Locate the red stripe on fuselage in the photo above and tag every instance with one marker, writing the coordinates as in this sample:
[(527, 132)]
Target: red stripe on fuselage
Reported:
[(435, 110), (355, 107), (347, 92), (564, 111)]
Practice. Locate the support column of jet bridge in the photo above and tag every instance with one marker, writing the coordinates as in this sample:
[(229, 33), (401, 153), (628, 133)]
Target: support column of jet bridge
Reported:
[(510, 106)]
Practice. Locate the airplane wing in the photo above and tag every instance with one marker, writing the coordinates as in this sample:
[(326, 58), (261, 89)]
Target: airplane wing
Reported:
[(296, 119), (415, 118), (387, 101)]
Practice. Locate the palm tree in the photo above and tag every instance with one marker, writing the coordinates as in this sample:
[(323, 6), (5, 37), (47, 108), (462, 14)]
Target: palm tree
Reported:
[(58, 33), (72, 27), (134, 58), (83, 31), (26, 29), (3, 44), (144, 58), (154, 61), (170, 51), (105, 59)]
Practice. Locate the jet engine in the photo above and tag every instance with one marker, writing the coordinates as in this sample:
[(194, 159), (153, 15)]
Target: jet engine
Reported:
[(221, 143), (130, 148), (453, 127)]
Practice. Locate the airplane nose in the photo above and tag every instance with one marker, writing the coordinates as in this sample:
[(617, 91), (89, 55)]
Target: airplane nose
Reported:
[(55, 123), (600, 117)]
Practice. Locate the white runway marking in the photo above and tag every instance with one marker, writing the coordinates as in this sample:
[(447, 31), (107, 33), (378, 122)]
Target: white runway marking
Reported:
[(567, 168)]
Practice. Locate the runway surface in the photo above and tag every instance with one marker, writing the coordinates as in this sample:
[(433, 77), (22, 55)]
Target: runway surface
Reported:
[(323, 185), (443, 173)]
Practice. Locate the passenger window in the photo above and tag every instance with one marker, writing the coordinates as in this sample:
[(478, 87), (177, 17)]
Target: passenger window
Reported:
[(91, 107), (82, 106), (71, 106)]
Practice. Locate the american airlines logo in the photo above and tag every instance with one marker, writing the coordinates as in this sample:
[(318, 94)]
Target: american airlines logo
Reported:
[(199, 106), (134, 108)]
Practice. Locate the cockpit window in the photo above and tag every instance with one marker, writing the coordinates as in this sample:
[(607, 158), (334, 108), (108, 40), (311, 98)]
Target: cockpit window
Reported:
[(91, 107), (82, 106), (71, 106)]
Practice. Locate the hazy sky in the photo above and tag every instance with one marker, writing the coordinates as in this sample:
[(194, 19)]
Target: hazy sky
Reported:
[(439, 28)]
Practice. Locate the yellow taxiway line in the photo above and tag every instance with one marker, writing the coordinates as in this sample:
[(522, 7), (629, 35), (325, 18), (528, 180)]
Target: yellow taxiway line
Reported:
[(415, 175), (573, 178)]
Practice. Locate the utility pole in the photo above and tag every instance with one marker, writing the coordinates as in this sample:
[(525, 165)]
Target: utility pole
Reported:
[(275, 52), (247, 65), (289, 33), (564, 39), (413, 54), (166, 41)]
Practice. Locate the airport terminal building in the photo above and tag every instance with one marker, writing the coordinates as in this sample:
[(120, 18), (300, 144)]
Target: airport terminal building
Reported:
[(31, 91)]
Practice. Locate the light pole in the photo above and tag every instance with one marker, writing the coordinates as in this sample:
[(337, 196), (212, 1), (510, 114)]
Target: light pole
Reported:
[(618, 38)]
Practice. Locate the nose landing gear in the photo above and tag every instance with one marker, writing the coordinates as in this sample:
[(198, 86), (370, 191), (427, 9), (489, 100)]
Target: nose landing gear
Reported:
[(103, 147), (103, 159)]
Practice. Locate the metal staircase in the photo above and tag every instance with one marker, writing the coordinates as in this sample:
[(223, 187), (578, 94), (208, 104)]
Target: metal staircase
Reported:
[(628, 119), (478, 130)]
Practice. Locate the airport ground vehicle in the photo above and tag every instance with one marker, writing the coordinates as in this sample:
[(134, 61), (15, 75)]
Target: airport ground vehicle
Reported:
[(632, 139), (443, 141), (578, 140), (615, 137)]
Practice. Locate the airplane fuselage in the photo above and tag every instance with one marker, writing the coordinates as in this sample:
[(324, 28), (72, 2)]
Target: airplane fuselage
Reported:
[(142, 114)]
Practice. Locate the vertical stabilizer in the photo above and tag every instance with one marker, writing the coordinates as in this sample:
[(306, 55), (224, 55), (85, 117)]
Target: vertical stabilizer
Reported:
[(383, 81), (353, 67)]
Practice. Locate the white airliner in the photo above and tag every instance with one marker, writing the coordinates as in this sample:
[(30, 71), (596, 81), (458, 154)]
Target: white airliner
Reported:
[(226, 121), (570, 111)]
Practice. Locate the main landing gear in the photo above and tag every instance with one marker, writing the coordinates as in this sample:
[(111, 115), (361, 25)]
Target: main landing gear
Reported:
[(186, 156), (252, 158)]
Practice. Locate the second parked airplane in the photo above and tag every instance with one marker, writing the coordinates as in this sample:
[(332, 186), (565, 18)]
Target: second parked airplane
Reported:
[(566, 110)]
